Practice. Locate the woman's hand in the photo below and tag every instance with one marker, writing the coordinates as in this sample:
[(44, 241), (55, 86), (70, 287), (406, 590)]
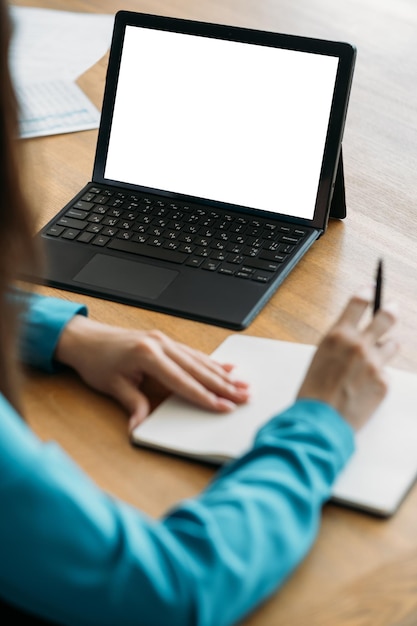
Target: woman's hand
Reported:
[(126, 364), (347, 370)]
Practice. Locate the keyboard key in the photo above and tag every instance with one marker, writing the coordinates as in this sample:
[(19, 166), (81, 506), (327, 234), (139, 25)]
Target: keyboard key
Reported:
[(210, 265), (84, 206), (110, 221), (250, 251), (55, 231), (187, 248), (273, 247), (235, 248), (110, 232), (76, 214), (187, 238), (96, 219), (100, 209), (100, 240), (268, 266), (149, 251), (101, 199), (114, 212), (203, 252), (278, 257), (94, 228), (261, 278), (194, 261), (140, 238), (70, 233), (171, 245), (237, 259), (70, 222), (156, 241), (88, 197), (125, 234), (290, 240), (218, 255), (85, 237)]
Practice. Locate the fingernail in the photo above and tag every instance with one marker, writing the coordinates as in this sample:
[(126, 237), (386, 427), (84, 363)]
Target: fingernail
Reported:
[(366, 292), (242, 394), (240, 383), (225, 405), (391, 307), (133, 422)]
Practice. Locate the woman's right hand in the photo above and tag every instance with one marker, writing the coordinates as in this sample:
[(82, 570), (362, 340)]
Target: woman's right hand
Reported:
[(347, 370)]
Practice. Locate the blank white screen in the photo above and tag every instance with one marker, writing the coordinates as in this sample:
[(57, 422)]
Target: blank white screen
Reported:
[(221, 120)]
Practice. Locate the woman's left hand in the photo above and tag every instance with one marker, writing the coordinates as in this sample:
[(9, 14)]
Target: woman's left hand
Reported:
[(125, 364)]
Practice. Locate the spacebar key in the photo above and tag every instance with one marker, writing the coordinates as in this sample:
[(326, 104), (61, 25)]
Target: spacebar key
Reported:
[(150, 251)]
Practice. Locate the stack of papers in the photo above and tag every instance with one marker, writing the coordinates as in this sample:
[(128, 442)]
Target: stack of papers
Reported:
[(55, 106), (49, 51)]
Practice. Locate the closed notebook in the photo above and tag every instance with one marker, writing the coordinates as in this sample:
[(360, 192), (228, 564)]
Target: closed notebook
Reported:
[(383, 467)]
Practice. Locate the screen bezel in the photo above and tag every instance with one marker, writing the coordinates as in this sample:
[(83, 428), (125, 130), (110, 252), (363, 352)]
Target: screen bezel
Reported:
[(345, 52)]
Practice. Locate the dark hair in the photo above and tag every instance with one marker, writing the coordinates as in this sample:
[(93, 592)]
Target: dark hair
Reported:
[(17, 248)]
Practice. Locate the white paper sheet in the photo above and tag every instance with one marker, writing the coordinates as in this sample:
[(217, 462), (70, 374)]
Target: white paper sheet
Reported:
[(50, 45), (55, 107), (55, 47)]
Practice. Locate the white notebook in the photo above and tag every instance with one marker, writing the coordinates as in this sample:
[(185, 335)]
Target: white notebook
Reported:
[(383, 467)]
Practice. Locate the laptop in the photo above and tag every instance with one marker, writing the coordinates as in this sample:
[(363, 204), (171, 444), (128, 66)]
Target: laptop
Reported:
[(218, 164)]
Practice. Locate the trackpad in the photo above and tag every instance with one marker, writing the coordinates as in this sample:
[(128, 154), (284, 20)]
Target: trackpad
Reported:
[(129, 277)]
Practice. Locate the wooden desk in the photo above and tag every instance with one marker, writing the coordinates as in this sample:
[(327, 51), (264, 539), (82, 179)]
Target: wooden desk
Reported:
[(362, 571)]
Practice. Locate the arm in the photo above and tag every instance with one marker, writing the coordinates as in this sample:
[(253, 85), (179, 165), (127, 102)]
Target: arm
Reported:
[(93, 559), (123, 363), (72, 554)]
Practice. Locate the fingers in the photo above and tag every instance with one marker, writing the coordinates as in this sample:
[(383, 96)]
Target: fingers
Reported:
[(387, 350), (380, 323), (133, 400), (195, 375), (198, 363), (209, 373), (356, 307), (199, 385), (376, 337)]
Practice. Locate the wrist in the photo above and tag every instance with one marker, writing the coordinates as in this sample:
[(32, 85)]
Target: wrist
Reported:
[(72, 340)]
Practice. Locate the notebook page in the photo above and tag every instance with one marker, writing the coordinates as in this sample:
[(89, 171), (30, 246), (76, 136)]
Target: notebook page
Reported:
[(179, 426), (383, 467)]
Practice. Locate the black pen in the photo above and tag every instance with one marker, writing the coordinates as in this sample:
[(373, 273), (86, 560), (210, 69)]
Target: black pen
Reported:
[(378, 287)]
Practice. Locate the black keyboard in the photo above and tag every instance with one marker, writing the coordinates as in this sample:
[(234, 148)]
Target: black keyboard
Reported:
[(232, 244)]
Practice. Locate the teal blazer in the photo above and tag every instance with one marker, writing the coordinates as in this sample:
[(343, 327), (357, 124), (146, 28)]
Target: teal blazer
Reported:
[(73, 554)]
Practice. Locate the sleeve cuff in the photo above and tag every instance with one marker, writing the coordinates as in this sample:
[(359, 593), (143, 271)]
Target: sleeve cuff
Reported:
[(43, 322), (312, 422)]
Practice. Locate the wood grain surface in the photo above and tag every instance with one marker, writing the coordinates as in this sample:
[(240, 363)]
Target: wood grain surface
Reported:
[(362, 571)]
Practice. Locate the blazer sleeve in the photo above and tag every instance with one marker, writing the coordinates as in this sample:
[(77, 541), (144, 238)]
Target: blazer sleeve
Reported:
[(42, 322), (76, 555)]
